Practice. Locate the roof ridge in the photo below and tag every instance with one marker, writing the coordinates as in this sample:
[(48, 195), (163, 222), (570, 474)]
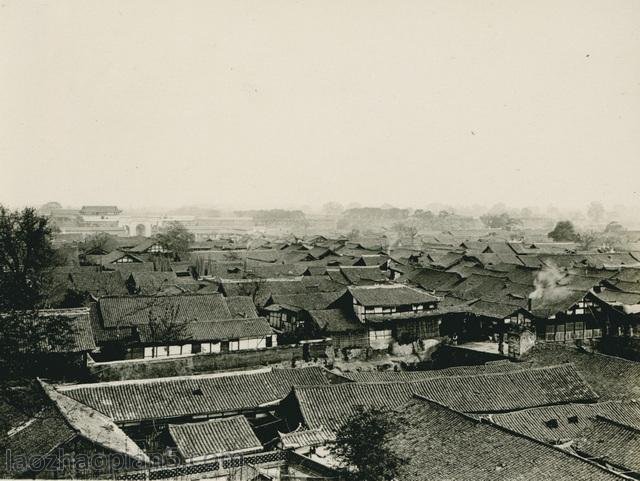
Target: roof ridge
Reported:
[(125, 382), (459, 376)]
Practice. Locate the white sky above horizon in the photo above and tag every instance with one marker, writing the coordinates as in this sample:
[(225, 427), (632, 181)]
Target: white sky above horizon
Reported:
[(278, 103)]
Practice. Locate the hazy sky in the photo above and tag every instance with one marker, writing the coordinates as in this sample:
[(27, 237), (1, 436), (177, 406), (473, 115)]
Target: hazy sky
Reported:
[(276, 103)]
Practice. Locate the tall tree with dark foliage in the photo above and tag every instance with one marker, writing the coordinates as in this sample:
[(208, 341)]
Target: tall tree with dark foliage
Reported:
[(26, 258), (176, 239), (362, 445)]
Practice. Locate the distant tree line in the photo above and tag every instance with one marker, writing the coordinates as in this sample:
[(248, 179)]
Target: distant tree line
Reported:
[(403, 221), (276, 217)]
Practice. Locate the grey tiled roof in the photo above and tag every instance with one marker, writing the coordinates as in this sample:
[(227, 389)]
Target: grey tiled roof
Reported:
[(215, 438)]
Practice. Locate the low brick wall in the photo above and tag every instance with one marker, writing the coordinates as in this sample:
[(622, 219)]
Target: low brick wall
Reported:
[(203, 363)]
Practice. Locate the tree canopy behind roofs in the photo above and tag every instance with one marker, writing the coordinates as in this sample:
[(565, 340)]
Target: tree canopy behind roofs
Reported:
[(564, 231), (27, 257), (176, 239), (362, 445)]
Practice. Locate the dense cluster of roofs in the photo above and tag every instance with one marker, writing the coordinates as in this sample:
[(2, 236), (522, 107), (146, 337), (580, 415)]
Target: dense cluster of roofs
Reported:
[(527, 398)]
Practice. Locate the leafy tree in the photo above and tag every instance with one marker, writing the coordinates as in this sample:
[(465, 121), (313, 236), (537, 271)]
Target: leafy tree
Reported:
[(614, 228), (588, 240), (25, 338), (98, 242), (423, 215), (176, 239), (362, 445), (499, 221), (564, 231), (406, 230), (26, 258), (279, 217), (251, 288)]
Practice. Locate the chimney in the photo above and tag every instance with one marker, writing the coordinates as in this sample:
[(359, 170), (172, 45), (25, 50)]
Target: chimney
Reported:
[(529, 303)]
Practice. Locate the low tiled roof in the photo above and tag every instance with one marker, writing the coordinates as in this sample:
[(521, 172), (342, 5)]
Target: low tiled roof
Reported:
[(625, 286), (495, 310), (628, 275), (492, 289), (143, 246), (35, 438), (561, 300), (359, 276), (305, 437), (562, 423), (316, 270), (220, 330), (241, 306), (440, 444), (215, 438), (98, 283), (112, 257), (335, 320), (616, 298), (127, 268), (397, 376), (267, 271), (81, 336), (94, 426), (321, 283), (135, 310), (611, 377), (433, 280), (102, 335), (511, 390), (308, 301), (613, 443), (371, 260), (331, 405), (392, 295), (261, 289), (172, 397), (149, 283), (445, 260)]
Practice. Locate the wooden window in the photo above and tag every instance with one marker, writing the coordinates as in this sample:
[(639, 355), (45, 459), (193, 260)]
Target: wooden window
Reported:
[(550, 332), (560, 332)]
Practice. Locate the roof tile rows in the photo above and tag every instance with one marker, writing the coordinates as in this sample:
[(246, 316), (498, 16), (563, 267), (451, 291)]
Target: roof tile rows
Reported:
[(331, 405), (241, 328), (441, 444), (392, 295), (215, 438), (173, 397)]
